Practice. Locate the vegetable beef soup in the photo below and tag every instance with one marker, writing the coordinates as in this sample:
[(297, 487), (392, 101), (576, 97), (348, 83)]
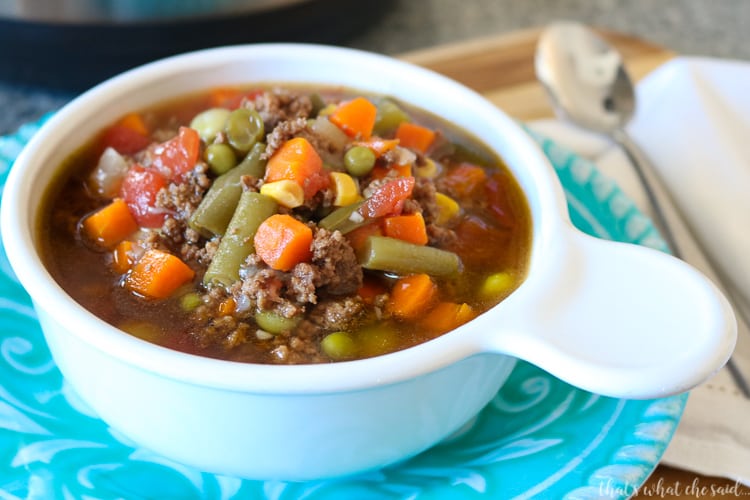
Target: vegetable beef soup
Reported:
[(286, 225)]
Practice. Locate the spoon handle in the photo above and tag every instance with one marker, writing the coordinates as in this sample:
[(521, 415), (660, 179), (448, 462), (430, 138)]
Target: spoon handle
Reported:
[(663, 209)]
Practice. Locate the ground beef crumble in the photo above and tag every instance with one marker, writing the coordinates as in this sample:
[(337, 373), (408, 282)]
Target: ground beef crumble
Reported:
[(279, 105)]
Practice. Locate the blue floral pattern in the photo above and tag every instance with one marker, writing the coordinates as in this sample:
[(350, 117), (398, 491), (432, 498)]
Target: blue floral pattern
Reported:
[(538, 438)]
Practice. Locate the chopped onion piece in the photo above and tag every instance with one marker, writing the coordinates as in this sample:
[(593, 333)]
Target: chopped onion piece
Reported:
[(106, 178)]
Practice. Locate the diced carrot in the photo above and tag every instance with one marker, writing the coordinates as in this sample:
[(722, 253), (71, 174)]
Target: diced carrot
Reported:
[(411, 296), (378, 145), (227, 306), (297, 160), (358, 237), (355, 117), (464, 179), (410, 227), (128, 136), (283, 242), (446, 316), (122, 257), (370, 289), (157, 274), (388, 199), (413, 136), (135, 122), (110, 224), (380, 172)]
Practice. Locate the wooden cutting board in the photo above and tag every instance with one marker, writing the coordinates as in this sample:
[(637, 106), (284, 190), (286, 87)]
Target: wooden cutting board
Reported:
[(502, 69)]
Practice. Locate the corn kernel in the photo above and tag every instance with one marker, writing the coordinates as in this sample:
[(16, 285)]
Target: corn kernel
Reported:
[(287, 193), (429, 170), (496, 285), (448, 208), (346, 189)]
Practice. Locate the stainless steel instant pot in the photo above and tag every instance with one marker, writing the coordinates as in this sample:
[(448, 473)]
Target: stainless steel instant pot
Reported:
[(71, 45)]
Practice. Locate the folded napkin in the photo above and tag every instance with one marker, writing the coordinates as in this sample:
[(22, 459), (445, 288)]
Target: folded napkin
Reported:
[(693, 122)]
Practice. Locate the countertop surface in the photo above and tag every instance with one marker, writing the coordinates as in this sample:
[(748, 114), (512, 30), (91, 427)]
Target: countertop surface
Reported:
[(694, 27)]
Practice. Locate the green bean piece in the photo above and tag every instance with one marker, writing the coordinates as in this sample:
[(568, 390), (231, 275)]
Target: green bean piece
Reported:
[(359, 161), (244, 127), (339, 346), (389, 116), (381, 253), (344, 219), (220, 158), (190, 301), (210, 122), (275, 323), (215, 210), (237, 243), (317, 102)]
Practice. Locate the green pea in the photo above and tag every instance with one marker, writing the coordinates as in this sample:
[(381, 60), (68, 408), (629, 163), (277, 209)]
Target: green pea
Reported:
[(210, 122), (220, 158), (190, 301), (359, 161), (339, 345), (244, 127), (317, 103), (275, 323)]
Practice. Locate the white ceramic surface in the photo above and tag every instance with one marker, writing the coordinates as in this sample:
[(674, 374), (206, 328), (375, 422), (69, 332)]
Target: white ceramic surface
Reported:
[(611, 318)]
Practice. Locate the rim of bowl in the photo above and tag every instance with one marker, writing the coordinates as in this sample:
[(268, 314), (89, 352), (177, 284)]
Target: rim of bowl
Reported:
[(102, 104)]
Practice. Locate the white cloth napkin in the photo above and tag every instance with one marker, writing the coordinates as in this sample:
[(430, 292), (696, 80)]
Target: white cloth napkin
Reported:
[(693, 122)]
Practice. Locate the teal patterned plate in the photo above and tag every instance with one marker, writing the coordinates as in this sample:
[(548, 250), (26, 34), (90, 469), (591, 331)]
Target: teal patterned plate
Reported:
[(538, 438)]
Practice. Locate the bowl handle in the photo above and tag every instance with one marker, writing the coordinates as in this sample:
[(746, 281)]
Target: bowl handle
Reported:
[(615, 319)]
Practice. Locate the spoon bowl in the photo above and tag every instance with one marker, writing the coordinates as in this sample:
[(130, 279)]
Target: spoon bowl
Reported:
[(585, 77)]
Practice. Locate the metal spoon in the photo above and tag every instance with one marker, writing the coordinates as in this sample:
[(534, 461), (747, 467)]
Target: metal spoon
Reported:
[(589, 86)]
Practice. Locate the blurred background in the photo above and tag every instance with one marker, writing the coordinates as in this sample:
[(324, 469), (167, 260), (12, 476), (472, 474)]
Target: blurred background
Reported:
[(51, 50)]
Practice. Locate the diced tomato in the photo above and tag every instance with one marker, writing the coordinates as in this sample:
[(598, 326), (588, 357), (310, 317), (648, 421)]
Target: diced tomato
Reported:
[(464, 179), (473, 229), (389, 199), (139, 190), (178, 156), (124, 140), (498, 203)]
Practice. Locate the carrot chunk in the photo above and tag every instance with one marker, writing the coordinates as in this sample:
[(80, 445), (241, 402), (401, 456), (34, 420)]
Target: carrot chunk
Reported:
[(381, 172), (135, 122), (413, 136), (410, 227), (411, 296), (283, 242), (128, 136), (297, 160), (358, 237), (356, 117), (446, 316), (158, 274), (122, 257), (110, 224)]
